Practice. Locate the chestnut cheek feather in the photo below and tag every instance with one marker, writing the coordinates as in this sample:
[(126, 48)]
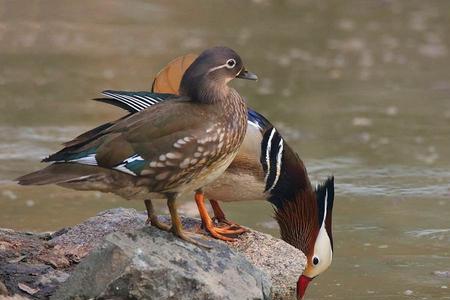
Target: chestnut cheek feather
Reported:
[(302, 284)]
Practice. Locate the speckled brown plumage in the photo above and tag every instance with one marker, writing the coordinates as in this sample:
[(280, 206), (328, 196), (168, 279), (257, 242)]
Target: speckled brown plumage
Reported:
[(169, 148)]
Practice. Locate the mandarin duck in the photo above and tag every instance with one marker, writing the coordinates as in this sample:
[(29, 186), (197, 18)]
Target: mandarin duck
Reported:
[(165, 150), (265, 167)]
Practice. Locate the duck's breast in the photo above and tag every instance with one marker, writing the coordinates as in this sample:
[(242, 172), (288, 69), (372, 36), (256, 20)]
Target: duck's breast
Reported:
[(244, 178)]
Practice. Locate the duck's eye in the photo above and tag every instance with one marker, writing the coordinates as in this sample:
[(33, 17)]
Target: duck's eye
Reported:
[(231, 63), (315, 260)]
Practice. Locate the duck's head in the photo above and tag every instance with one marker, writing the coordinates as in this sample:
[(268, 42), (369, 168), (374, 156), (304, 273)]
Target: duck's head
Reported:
[(305, 223), (214, 67)]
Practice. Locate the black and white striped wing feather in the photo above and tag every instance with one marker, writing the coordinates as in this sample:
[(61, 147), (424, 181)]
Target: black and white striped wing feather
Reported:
[(133, 101)]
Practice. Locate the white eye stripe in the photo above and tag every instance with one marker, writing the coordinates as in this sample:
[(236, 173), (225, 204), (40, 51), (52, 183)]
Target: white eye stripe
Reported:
[(230, 64), (217, 68)]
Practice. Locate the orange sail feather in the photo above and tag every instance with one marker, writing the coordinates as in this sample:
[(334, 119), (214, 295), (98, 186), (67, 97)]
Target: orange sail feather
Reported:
[(169, 78)]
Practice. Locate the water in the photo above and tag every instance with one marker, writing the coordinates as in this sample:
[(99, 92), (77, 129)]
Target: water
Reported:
[(361, 89)]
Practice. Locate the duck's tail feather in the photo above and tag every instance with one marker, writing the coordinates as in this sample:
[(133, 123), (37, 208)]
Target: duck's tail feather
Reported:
[(59, 173)]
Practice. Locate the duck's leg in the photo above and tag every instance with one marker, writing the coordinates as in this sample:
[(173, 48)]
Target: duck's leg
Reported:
[(152, 218), (216, 232), (219, 215), (177, 227)]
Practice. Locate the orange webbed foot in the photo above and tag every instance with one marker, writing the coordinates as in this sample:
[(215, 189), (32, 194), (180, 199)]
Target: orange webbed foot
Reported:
[(218, 232), (226, 226)]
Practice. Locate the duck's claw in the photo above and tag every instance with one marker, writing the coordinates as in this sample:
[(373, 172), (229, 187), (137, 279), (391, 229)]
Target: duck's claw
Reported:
[(188, 237), (152, 218), (233, 230), (219, 218), (218, 232)]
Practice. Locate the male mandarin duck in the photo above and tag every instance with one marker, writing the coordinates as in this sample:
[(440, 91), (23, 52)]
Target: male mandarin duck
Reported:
[(264, 168), (171, 148)]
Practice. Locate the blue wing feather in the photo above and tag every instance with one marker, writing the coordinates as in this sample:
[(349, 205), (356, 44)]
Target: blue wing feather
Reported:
[(258, 120)]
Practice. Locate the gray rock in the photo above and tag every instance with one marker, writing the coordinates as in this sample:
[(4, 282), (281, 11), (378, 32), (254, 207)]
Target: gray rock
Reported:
[(47, 260), (92, 231), (3, 289), (281, 261), (152, 264), (27, 265)]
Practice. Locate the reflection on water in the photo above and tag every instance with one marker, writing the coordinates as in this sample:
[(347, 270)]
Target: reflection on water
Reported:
[(361, 89)]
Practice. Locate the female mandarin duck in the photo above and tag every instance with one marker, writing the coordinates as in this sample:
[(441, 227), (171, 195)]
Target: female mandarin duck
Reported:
[(168, 149), (264, 168)]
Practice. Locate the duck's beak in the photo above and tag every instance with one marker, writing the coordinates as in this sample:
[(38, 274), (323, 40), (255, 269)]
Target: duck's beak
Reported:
[(302, 284), (244, 74)]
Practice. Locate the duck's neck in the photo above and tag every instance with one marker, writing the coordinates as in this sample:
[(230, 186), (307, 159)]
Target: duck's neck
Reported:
[(298, 221), (202, 89)]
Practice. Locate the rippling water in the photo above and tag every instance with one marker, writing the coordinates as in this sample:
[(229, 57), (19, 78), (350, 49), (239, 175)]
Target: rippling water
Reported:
[(361, 89)]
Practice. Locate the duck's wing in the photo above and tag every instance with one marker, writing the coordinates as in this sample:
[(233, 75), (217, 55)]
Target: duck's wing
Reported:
[(87, 136), (166, 141), (133, 101)]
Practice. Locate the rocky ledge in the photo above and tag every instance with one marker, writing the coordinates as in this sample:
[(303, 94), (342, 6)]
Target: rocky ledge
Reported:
[(114, 256)]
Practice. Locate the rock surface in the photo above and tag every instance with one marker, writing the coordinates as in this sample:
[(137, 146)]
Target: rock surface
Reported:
[(116, 243), (151, 264)]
